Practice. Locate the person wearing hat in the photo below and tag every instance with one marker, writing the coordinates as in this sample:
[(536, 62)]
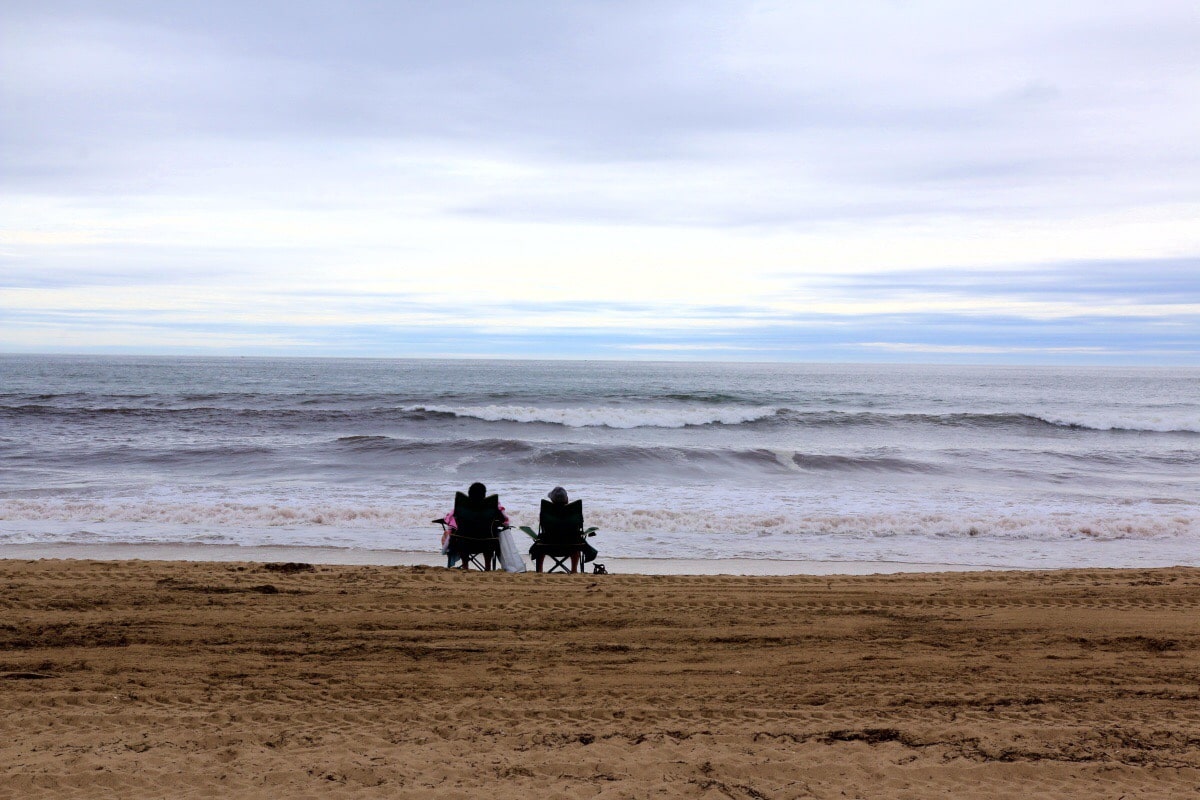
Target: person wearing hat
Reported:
[(560, 530)]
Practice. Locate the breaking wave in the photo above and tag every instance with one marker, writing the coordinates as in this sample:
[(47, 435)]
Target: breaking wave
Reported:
[(692, 416), (676, 413), (600, 458), (607, 416)]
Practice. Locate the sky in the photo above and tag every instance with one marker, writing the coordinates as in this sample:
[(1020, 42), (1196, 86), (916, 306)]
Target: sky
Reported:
[(914, 180)]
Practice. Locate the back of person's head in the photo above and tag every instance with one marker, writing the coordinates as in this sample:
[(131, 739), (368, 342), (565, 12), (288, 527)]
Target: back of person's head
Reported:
[(558, 496), (477, 492)]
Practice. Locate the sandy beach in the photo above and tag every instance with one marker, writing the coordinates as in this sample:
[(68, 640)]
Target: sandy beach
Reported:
[(227, 679)]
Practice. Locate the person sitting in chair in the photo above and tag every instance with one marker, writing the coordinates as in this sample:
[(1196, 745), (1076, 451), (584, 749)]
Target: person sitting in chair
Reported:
[(473, 526), (560, 532)]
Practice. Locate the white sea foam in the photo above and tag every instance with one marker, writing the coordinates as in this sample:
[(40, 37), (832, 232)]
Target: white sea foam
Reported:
[(620, 520), (225, 514), (1150, 422), (608, 416)]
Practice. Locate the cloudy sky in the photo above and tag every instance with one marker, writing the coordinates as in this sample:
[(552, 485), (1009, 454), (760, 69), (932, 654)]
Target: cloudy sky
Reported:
[(862, 181)]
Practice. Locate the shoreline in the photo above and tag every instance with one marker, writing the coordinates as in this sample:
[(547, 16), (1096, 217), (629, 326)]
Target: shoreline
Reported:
[(411, 558)]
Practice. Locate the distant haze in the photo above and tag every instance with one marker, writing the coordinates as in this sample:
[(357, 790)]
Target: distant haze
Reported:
[(1013, 182)]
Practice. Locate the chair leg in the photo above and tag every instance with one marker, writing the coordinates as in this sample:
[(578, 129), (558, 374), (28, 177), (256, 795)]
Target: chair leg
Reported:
[(574, 563), (539, 560)]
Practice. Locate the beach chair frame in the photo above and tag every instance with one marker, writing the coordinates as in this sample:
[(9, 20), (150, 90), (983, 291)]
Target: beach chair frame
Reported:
[(476, 536), (561, 537), (560, 562)]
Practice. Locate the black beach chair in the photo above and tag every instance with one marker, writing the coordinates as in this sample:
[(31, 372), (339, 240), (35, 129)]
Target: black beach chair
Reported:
[(561, 537), (476, 539)]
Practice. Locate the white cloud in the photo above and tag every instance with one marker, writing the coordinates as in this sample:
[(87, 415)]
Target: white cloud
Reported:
[(917, 348), (675, 156)]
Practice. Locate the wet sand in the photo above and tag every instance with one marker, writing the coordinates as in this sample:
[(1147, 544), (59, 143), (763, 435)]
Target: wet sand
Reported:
[(409, 558), (237, 679)]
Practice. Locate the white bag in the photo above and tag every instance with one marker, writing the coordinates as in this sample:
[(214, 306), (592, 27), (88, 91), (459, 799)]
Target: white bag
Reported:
[(510, 556)]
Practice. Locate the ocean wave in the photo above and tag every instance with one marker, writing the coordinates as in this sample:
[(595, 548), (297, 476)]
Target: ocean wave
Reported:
[(222, 514), (986, 421), (634, 526), (577, 417), (652, 416), (226, 454), (835, 463), (618, 458), (623, 417), (680, 411), (1180, 423), (591, 458), (148, 412), (387, 445), (247, 458), (892, 524), (708, 398)]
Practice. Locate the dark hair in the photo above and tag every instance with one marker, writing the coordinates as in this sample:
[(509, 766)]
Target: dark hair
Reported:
[(477, 491), (558, 496)]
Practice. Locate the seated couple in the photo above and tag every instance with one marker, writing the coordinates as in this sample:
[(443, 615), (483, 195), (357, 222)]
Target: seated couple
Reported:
[(473, 529)]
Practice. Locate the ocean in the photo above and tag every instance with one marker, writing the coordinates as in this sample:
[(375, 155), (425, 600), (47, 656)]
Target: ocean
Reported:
[(998, 466)]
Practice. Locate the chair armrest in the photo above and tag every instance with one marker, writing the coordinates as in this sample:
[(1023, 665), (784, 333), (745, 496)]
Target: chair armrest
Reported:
[(590, 532)]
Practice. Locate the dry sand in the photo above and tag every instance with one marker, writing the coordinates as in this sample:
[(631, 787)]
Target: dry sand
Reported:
[(170, 679)]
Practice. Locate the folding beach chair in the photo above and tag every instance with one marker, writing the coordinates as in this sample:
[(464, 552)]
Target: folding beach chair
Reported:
[(476, 539), (561, 537)]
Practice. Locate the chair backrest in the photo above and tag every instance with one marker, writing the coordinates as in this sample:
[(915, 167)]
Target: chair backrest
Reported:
[(561, 524), (476, 520)]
